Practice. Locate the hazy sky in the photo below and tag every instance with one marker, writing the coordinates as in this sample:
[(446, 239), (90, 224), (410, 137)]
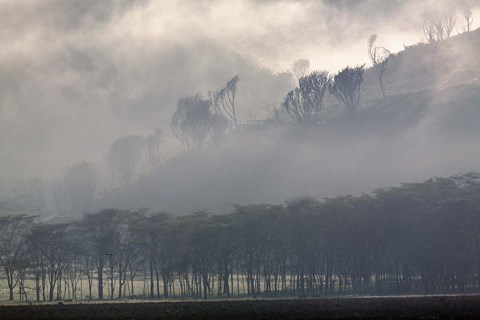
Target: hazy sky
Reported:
[(75, 75)]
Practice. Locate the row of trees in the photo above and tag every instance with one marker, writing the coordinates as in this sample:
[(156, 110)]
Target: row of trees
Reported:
[(416, 238), (197, 118)]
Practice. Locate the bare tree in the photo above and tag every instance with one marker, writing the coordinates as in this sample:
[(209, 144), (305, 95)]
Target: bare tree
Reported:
[(438, 23), (465, 8), (223, 100), (449, 19), (300, 68), (13, 246), (124, 154), (346, 87), (99, 233), (192, 121), (379, 57), (429, 29), (51, 241), (152, 147), (304, 104)]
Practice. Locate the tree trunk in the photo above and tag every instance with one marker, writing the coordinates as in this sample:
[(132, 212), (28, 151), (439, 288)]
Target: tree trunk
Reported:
[(100, 282)]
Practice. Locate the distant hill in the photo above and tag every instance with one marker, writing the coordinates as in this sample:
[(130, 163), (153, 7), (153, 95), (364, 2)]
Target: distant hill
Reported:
[(428, 125)]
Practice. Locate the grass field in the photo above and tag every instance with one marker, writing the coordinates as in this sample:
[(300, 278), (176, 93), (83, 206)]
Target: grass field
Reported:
[(410, 307)]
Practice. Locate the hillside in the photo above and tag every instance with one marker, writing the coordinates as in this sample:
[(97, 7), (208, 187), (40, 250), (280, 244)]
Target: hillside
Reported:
[(426, 126)]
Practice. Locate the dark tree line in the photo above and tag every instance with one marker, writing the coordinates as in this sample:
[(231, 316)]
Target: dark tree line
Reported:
[(416, 238)]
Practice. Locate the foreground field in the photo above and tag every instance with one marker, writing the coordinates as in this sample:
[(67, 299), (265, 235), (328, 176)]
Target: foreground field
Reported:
[(427, 307)]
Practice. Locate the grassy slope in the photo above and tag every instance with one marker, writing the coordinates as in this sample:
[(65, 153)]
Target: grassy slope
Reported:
[(451, 94)]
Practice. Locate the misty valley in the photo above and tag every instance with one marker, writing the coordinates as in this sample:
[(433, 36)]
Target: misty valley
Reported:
[(264, 167)]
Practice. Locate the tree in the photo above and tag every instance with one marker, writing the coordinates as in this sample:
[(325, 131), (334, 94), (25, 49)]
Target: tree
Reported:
[(13, 246), (300, 68), (99, 235), (192, 121), (52, 243), (346, 87), (465, 8), (223, 100), (152, 147), (438, 23), (379, 57), (304, 104), (123, 156)]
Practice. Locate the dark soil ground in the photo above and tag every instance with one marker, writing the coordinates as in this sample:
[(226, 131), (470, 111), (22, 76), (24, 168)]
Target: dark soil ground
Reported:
[(426, 307)]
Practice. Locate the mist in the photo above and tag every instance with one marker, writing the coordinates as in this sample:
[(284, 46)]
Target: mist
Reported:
[(75, 76)]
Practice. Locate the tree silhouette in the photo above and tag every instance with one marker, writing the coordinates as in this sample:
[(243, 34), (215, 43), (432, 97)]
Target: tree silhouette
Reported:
[(465, 8), (13, 246), (346, 87), (192, 121), (379, 58), (223, 101), (438, 23), (123, 156), (304, 104)]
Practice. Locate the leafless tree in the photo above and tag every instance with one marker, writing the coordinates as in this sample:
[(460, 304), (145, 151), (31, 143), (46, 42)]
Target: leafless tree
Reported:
[(13, 246), (449, 19), (465, 9), (438, 23), (379, 57)]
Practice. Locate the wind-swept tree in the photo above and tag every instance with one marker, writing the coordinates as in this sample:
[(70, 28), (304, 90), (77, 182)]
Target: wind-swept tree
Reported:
[(379, 57), (223, 100), (192, 121), (346, 87), (123, 156), (304, 104)]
